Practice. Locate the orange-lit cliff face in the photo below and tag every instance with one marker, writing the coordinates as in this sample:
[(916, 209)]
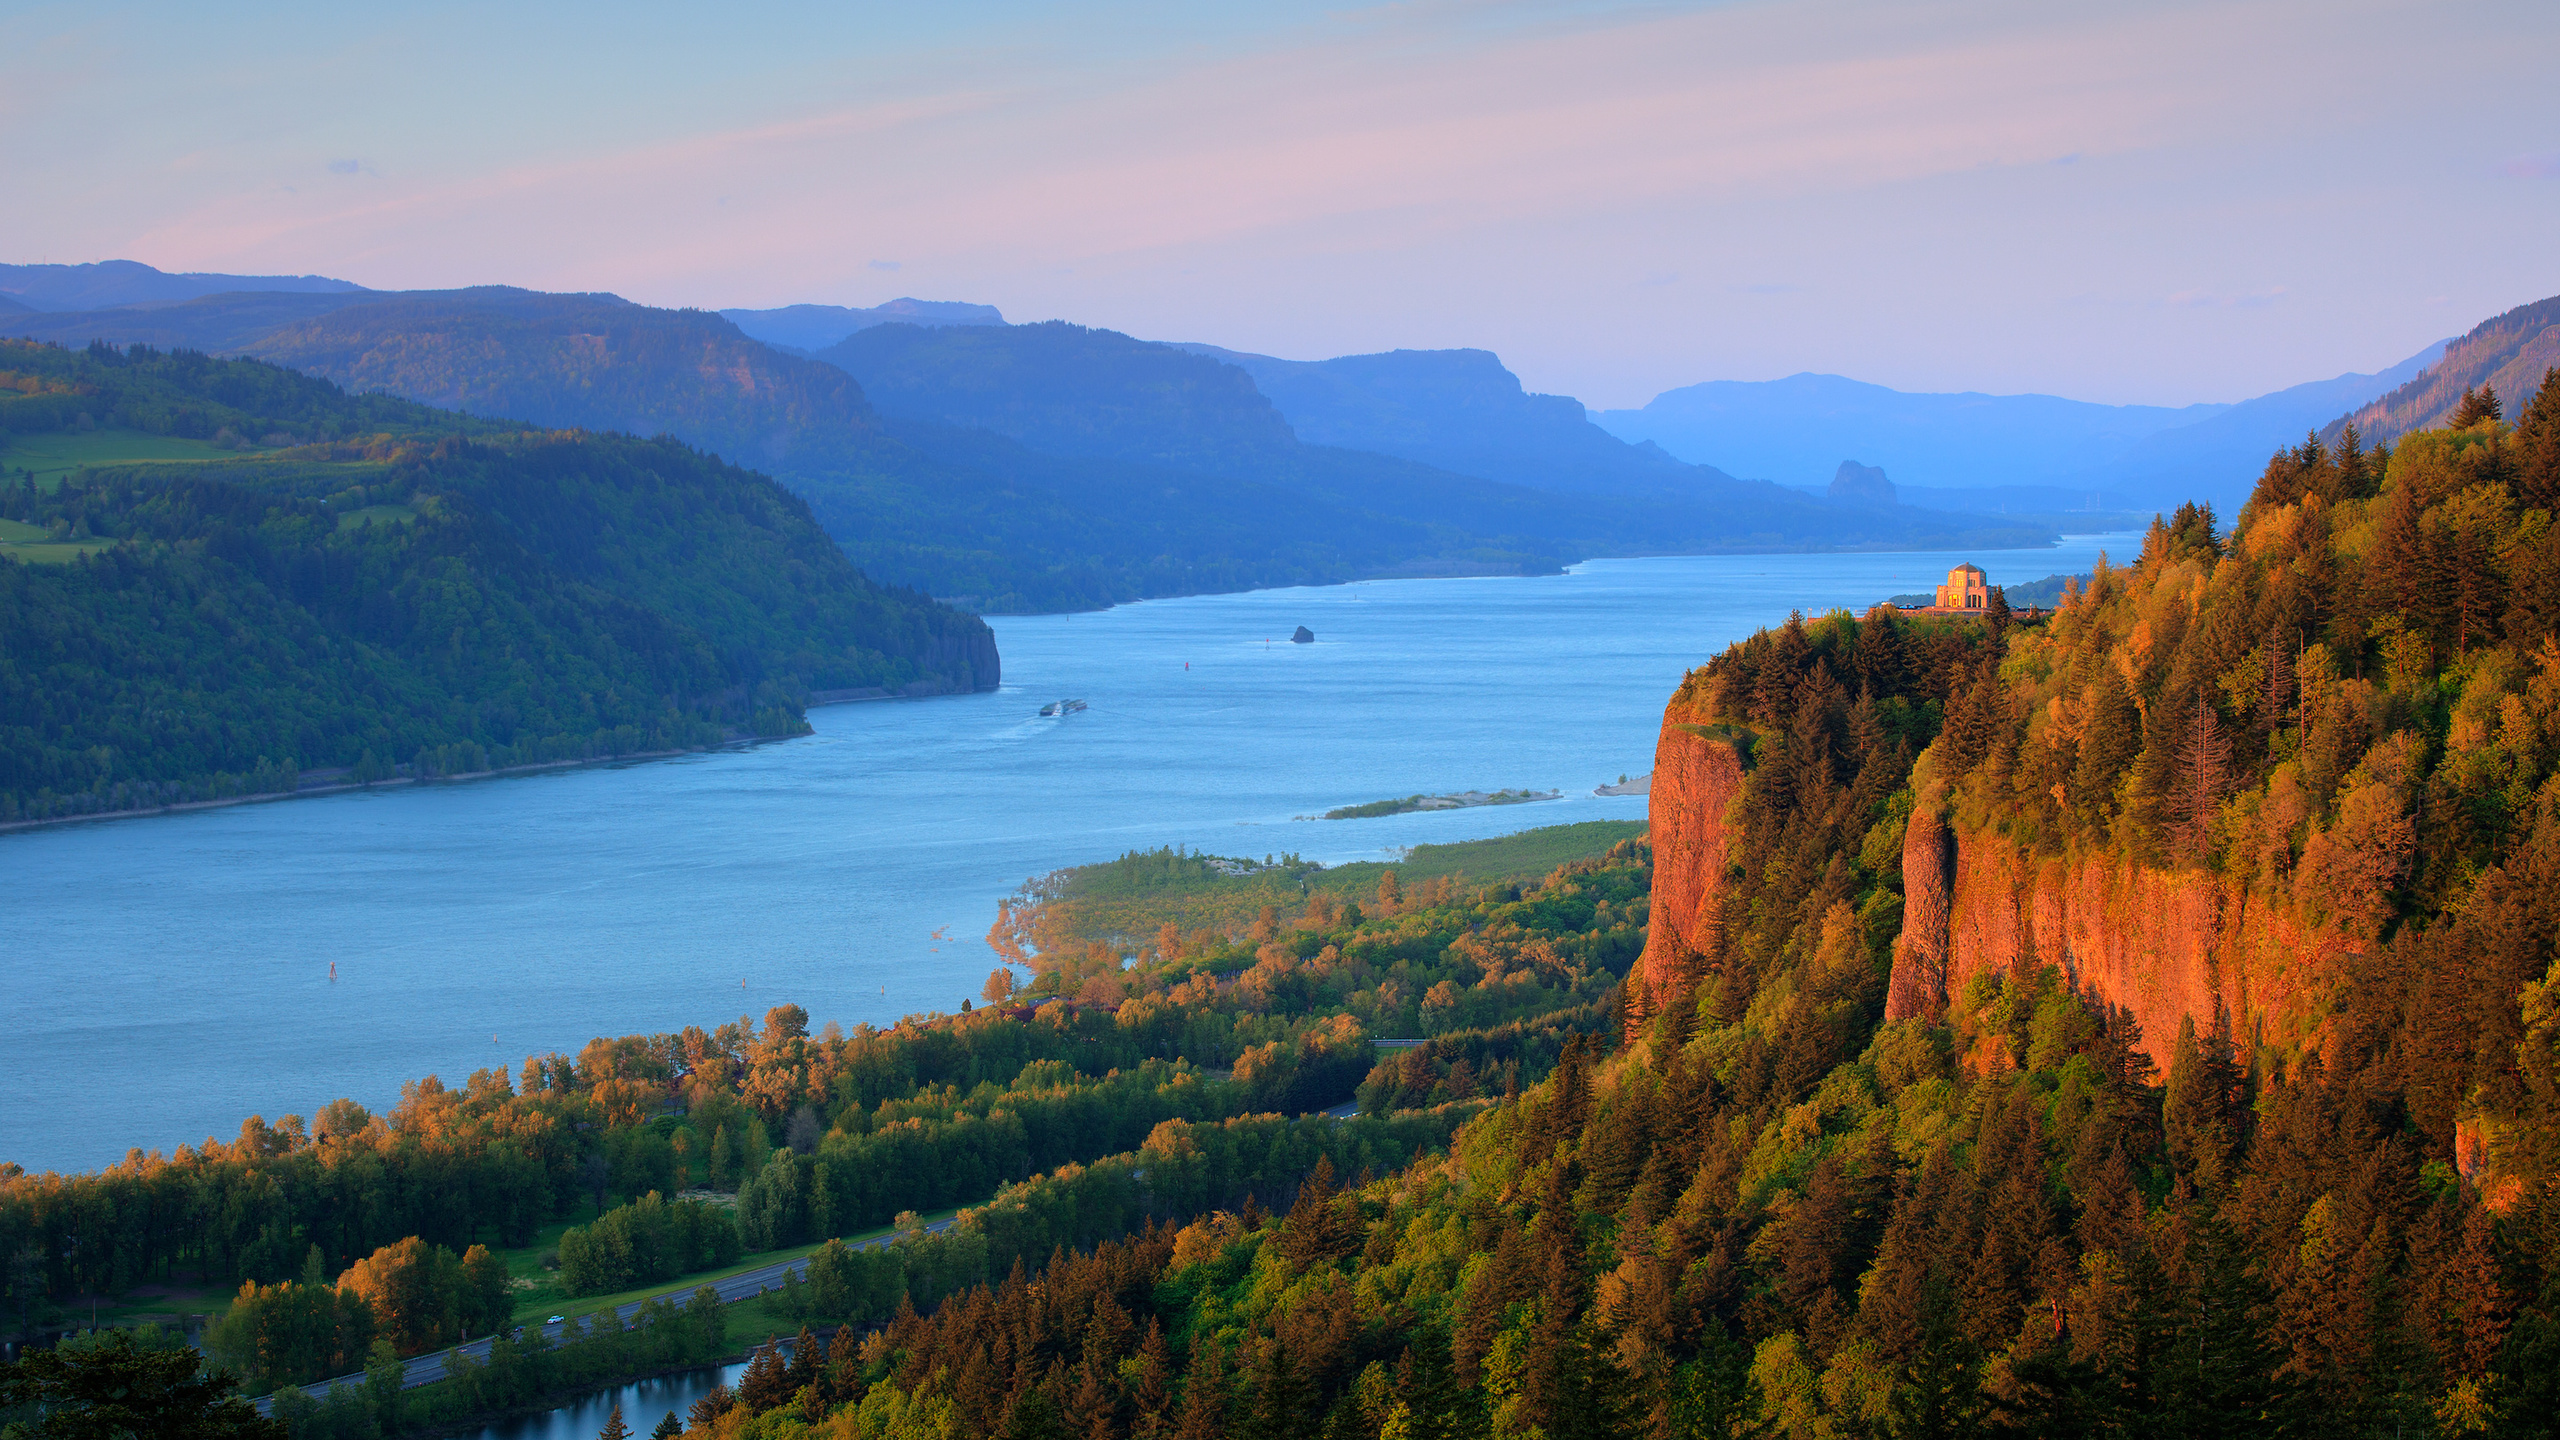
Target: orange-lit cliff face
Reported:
[(2167, 945), (1695, 780), (2161, 944)]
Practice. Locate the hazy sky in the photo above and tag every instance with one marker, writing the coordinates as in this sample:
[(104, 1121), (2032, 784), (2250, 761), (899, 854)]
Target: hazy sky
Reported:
[(2153, 202)]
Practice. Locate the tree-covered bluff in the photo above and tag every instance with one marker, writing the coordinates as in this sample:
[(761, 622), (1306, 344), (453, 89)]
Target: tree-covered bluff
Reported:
[(368, 585), (2171, 1046)]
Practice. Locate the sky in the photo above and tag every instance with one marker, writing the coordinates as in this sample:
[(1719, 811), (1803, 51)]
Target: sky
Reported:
[(2148, 201)]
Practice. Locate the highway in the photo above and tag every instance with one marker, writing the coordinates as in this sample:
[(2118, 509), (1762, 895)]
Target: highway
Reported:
[(745, 1285), (428, 1368)]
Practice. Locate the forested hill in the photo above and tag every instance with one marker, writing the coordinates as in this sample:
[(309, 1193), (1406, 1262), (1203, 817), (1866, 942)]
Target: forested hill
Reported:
[(232, 573), (2140, 1022), (596, 362), (2505, 355)]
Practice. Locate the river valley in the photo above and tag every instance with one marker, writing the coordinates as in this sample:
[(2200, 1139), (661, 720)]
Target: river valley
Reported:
[(171, 975)]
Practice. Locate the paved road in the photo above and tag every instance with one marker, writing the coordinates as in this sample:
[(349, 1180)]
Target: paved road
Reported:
[(746, 1284), (429, 1368)]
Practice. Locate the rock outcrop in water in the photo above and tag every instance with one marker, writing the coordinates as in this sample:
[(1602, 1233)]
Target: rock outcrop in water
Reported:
[(1304, 636)]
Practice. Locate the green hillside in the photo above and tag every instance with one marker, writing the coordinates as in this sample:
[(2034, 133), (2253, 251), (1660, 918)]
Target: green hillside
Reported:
[(372, 585)]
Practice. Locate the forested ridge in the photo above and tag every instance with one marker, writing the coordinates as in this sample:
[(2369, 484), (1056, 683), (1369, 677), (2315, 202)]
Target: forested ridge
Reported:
[(377, 588)]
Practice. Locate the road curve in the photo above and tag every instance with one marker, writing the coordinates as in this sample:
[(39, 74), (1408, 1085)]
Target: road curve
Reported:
[(428, 1368), (745, 1285)]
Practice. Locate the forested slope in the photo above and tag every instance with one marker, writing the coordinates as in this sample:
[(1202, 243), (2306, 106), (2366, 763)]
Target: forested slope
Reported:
[(2506, 354), (373, 585), (2174, 1049)]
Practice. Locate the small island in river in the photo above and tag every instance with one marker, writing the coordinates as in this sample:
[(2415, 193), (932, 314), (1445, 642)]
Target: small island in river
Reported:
[(1462, 800)]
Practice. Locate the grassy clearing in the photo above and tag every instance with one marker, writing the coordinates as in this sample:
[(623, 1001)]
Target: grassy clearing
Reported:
[(55, 454), (378, 515), (32, 544), (1123, 901)]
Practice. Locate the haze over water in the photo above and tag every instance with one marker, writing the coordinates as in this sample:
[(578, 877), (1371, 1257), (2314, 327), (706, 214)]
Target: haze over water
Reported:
[(170, 976)]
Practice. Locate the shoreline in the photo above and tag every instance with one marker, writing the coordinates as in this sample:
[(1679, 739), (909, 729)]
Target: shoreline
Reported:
[(967, 602), (309, 791), (305, 792)]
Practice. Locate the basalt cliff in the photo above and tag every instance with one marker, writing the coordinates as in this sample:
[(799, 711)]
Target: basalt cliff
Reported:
[(2282, 799)]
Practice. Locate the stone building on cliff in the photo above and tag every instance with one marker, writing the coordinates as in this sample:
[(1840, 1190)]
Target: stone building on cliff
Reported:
[(1967, 588)]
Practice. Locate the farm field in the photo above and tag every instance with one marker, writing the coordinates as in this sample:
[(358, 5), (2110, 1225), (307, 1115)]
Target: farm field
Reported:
[(34, 545), (54, 454)]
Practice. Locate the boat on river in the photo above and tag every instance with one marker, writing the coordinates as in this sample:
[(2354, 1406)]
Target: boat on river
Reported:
[(1062, 707)]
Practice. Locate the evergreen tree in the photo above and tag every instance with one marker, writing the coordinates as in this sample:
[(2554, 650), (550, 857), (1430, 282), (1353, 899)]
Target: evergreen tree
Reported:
[(1152, 1393), (1313, 1234), (719, 1400), (614, 1429), (1879, 659), (1284, 1402), (2108, 744), (2476, 406), (766, 1384), (2537, 441), (116, 1389), (2202, 779), (1204, 1392), (2350, 462), (2276, 696)]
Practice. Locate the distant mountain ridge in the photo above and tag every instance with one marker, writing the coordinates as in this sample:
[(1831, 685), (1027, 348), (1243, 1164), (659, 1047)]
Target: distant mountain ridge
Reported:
[(1067, 390), (815, 327), (1975, 451), (1461, 410), (1796, 429), (107, 284), (1052, 466), (2219, 458), (595, 362)]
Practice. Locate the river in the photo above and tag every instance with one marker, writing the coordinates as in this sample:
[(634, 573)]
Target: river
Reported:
[(171, 975), (644, 1403)]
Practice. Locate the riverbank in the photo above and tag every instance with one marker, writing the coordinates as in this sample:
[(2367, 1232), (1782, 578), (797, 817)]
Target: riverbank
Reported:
[(735, 741), (304, 792)]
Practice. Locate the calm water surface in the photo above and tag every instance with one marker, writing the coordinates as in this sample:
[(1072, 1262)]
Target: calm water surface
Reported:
[(644, 1404), (166, 977)]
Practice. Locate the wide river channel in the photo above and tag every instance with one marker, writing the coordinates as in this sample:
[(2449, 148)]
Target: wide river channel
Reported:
[(168, 976)]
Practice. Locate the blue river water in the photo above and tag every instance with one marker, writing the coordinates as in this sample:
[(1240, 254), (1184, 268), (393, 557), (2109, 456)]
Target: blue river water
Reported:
[(643, 1404), (168, 976)]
